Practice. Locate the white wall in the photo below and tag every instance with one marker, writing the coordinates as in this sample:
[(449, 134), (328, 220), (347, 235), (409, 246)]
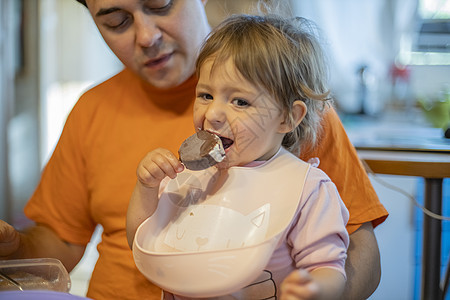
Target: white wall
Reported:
[(73, 57), (396, 238), (429, 81), (7, 30)]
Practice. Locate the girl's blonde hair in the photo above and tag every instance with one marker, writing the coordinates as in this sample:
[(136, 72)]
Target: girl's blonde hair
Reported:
[(283, 57)]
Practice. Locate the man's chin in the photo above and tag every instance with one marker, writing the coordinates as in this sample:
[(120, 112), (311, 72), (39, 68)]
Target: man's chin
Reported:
[(165, 81)]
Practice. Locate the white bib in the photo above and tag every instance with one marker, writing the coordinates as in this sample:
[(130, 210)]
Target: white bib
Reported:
[(232, 208)]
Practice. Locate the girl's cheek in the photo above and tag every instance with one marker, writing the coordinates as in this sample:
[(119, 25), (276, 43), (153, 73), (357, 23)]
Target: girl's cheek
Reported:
[(198, 120)]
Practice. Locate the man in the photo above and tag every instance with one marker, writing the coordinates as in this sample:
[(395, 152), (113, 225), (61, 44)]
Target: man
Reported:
[(149, 105)]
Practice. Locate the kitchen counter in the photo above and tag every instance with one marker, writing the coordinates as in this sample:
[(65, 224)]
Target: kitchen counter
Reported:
[(396, 131)]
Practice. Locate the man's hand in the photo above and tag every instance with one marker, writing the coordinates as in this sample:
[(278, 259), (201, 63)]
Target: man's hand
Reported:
[(37, 241), (9, 240)]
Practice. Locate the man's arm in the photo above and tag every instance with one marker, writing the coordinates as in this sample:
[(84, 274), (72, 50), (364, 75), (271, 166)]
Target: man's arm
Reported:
[(37, 241), (363, 264)]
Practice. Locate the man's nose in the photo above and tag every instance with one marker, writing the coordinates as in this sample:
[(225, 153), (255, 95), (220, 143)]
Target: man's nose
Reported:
[(147, 31)]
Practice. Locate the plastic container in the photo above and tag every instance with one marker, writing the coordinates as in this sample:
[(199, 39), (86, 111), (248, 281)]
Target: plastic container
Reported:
[(38, 295), (33, 274)]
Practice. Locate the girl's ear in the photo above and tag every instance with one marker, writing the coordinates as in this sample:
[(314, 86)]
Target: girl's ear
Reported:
[(293, 119)]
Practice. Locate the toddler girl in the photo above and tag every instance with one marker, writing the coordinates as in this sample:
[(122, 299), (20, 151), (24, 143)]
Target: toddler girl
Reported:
[(262, 89)]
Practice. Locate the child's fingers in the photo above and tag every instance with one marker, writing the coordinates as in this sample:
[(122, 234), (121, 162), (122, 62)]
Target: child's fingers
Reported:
[(166, 164), (174, 161), (299, 276), (156, 165), (308, 291), (299, 285)]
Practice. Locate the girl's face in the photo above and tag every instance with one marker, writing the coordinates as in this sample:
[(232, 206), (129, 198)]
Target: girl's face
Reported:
[(248, 120), (157, 39)]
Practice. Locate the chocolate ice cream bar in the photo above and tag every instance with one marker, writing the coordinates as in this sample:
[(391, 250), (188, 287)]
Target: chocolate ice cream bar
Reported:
[(201, 151)]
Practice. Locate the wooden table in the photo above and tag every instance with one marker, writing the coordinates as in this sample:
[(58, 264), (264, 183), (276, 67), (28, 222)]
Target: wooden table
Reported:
[(433, 165)]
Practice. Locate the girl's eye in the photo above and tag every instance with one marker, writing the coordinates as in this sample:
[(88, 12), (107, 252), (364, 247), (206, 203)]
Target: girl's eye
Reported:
[(240, 102), (205, 96)]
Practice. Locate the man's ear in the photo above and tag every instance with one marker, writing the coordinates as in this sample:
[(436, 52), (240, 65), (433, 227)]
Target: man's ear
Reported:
[(293, 119)]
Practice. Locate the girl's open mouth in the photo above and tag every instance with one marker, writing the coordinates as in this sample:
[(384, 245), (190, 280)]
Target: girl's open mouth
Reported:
[(226, 142)]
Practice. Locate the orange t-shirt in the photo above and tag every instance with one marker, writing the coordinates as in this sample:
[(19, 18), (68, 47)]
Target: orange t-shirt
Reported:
[(92, 172), (339, 160)]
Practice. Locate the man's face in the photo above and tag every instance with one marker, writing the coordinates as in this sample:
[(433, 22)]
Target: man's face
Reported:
[(157, 39)]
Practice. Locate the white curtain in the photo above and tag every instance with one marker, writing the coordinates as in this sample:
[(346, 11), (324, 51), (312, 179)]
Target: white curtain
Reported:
[(356, 33)]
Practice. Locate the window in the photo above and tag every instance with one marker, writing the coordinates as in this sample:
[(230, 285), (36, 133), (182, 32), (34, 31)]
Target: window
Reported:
[(431, 41)]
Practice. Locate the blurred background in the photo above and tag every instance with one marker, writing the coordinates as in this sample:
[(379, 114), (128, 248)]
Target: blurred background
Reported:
[(389, 73)]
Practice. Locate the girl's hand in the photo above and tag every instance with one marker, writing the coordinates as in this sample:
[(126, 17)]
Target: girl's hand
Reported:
[(299, 285), (156, 165)]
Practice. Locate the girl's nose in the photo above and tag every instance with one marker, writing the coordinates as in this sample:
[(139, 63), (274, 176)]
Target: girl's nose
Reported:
[(147, 32), (215, 112)]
